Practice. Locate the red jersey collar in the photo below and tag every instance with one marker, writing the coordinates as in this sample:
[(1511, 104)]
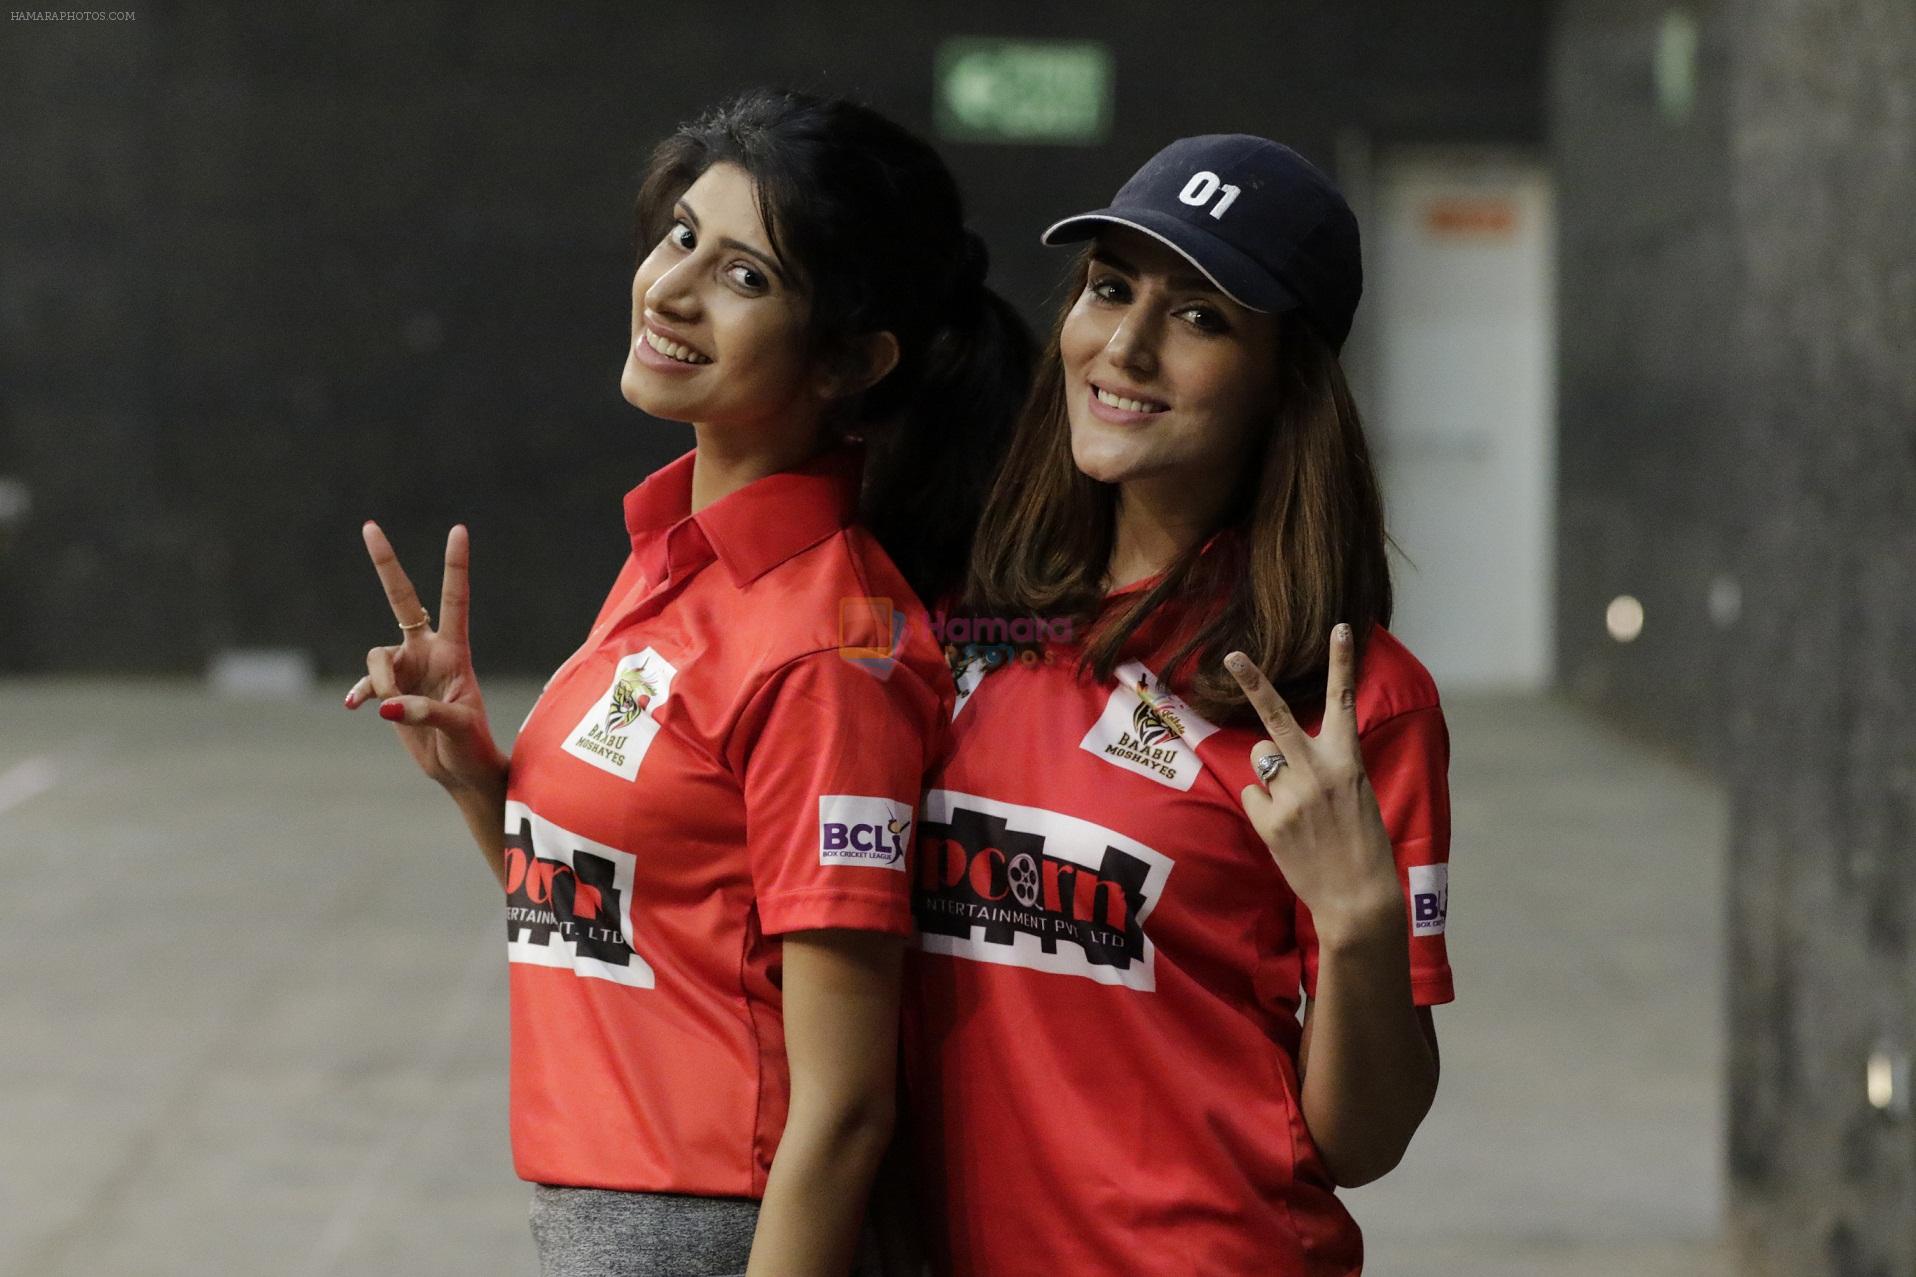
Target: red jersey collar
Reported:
[(750, 531)]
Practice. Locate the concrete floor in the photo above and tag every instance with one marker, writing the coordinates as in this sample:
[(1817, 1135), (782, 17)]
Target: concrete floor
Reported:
[(253, 1019)]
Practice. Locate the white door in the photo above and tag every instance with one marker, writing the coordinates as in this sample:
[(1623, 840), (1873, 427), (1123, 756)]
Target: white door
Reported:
[(1463, 416)]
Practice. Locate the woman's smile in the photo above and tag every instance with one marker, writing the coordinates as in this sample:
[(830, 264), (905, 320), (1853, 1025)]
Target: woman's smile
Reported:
[(1121, 406), (661, 351)]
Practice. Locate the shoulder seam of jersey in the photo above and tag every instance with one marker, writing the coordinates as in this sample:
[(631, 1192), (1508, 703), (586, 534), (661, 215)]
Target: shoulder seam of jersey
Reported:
[(1394, 715), (725, 746)]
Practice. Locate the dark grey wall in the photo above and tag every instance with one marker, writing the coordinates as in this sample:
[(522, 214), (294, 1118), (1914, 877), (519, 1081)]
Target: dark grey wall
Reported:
[(1739, 399), (266, 271), (1648, 304)]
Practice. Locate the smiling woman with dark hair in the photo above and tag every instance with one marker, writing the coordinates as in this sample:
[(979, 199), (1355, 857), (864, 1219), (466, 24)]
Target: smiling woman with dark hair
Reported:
[(1139, 854), (702, 828)]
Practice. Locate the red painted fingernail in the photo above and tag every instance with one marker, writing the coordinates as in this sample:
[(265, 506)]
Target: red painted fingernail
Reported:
[(348, 702), (392, 711)]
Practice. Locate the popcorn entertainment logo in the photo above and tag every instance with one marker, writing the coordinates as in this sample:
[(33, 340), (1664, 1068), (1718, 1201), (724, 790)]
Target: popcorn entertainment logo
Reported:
[(1024, 886), (569, 902)]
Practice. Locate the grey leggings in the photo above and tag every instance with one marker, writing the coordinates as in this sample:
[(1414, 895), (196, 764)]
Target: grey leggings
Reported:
[(600, 1232), (597, 1232)]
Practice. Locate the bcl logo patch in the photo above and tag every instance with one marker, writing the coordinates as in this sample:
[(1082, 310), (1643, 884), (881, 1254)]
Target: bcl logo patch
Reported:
[(856, 830), (1429, 899), (1148, 730), (618, 729)]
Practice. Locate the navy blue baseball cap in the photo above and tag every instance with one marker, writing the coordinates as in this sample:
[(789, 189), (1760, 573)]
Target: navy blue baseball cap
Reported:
[(1258, 219)]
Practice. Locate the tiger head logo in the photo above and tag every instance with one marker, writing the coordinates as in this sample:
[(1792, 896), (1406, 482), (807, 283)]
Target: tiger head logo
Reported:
[(1146, 725), (631, 693)]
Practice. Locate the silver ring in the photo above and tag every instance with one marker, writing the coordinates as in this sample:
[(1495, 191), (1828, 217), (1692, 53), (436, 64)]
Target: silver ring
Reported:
[(1268, 766)]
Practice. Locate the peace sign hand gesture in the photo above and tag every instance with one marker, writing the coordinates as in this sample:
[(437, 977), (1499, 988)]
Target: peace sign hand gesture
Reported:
[(1313, 802), (426, 682)]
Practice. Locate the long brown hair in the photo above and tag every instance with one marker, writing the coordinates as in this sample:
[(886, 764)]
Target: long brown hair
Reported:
[(1304, 543)]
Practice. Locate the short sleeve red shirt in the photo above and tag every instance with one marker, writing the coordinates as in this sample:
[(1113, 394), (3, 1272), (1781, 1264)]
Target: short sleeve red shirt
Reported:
[(735, 753), (1101, 1029)]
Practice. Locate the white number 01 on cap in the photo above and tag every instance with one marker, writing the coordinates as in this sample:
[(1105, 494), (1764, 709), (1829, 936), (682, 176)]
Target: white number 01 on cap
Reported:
[(1202, 186)]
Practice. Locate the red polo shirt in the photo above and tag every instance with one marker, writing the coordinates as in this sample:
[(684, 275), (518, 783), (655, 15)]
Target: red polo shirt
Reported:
[(1102, 1019), (735, 753)]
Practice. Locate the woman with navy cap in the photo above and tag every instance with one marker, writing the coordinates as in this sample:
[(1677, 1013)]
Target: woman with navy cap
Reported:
[(1230, 786)]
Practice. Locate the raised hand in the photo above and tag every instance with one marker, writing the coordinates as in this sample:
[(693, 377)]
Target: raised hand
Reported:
[(425, 682), (1313, 803)]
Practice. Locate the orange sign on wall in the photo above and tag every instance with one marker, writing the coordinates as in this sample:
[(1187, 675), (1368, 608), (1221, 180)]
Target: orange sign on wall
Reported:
[(1466, 217)]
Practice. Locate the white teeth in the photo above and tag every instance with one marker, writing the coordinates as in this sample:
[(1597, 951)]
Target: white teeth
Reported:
[(1129, 405), (672, 350)]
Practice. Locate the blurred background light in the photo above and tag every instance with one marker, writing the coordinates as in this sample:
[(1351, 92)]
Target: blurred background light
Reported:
[(1726, 601), (1624, 618)]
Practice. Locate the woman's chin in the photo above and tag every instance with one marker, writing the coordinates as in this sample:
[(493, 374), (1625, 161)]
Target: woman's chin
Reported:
[(1105, 464), (638, 391)]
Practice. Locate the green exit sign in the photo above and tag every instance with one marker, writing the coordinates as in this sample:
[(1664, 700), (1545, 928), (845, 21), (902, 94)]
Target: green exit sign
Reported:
[(1055, 91)]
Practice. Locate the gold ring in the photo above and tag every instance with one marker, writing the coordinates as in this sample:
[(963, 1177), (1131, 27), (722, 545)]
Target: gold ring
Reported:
[(425, 619)]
